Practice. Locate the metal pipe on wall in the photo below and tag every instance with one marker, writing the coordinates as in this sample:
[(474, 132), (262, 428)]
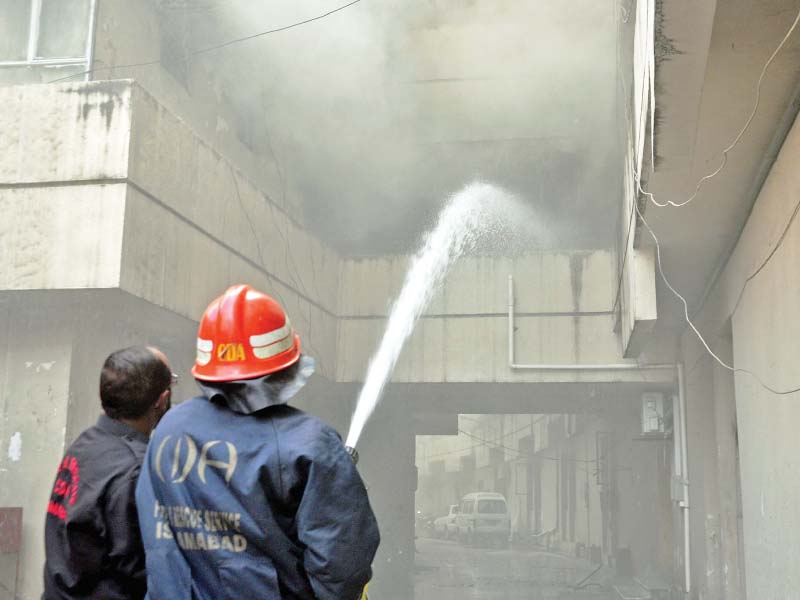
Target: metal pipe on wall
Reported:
[(687, 550), (91, 39), (684, 460)]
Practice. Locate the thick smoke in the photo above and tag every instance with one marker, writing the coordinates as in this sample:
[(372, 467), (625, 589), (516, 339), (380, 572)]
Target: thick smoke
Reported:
[(379, 112)]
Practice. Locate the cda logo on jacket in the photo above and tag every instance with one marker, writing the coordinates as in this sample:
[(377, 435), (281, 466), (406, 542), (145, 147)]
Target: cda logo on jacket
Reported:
[(178, 457)]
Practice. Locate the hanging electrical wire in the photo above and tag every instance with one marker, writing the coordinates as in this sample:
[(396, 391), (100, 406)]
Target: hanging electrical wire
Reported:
[(691, 324), (738, 137), (631, 226), (529, 456), (505, 435), (487, 442), (265, 270), (769, 256), (246, 214), (208, 49), (699, 186)]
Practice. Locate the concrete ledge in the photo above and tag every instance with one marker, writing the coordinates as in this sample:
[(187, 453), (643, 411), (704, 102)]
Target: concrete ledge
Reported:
[(61, 237), (643, 303), (65, 132)]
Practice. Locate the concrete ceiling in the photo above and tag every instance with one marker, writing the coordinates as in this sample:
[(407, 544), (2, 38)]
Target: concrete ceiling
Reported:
[(710, 57), (380, 111)]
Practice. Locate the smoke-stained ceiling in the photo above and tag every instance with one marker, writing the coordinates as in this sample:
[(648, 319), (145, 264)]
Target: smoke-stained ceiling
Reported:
[(377, 112)]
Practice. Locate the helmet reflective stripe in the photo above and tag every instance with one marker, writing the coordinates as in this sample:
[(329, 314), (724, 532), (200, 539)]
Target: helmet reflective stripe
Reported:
[(265, 339), (274, 349), (204, 348)]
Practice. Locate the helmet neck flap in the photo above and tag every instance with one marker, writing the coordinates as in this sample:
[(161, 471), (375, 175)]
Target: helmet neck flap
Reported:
[(247, 396)]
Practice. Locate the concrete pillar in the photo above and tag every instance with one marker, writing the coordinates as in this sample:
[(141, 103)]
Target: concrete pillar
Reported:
[(732, 562), (714, 488), (387, 450), (703, 484)]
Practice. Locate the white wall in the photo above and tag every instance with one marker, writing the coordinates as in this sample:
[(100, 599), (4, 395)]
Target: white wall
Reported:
[(35, 355), (762, 316)]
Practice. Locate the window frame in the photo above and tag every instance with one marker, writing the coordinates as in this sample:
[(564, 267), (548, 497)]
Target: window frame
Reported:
[(34, 27)]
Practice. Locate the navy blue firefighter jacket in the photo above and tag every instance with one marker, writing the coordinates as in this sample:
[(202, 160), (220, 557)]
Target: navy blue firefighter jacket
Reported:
[(264, 505)]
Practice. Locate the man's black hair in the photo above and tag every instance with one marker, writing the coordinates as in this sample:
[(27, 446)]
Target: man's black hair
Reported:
[(131, 381)]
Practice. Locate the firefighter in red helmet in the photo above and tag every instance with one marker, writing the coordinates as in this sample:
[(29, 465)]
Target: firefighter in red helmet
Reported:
[(242, 495)]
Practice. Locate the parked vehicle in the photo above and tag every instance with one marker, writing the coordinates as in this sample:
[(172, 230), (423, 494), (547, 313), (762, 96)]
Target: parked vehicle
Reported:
[(445, 527), (483, 516), (423, 524)]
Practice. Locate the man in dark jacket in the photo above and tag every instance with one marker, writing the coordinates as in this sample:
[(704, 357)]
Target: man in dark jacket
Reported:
[(242, 496), (92, 542)]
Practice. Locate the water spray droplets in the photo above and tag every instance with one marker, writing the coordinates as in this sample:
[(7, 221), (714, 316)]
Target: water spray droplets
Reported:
[(477, 214)]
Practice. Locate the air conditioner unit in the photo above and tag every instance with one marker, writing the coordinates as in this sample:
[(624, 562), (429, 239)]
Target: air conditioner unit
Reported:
[(653, 415)]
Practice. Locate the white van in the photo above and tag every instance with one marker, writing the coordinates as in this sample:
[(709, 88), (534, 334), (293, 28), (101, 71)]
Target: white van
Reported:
[(483, 516), (445, 527)]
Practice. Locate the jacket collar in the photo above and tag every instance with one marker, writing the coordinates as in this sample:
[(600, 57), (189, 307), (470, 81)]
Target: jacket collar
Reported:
[(248, 396), (120, 429)]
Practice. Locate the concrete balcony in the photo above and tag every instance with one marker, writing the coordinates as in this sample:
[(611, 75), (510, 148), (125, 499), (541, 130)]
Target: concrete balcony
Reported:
[(101, 187)]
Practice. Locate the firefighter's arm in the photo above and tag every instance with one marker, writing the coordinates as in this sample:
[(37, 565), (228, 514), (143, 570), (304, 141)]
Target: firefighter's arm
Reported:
[(336, 524), (125, 549)]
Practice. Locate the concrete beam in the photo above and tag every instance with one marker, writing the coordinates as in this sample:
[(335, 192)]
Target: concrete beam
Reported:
[(642, 303), (431, 423), (563, 316), (546, 283), (511, 398)]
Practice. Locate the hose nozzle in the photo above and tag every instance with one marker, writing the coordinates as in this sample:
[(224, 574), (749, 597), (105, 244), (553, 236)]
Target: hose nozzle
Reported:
[(353, 453)]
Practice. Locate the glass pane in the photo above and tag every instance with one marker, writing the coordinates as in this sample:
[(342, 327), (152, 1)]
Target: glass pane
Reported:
[(39, 73), (494, 507), (63, 28), (15, 21)]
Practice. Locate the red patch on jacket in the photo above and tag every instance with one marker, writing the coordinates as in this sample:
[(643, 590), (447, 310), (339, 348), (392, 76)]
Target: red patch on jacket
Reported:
[(65, 490)]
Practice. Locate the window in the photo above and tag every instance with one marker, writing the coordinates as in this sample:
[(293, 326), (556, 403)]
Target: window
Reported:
[(492, 507), (63, 29), (15, 17), (43, 40)]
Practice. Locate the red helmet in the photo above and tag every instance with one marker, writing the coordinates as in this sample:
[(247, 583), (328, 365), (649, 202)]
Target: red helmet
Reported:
[(244, 334)]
